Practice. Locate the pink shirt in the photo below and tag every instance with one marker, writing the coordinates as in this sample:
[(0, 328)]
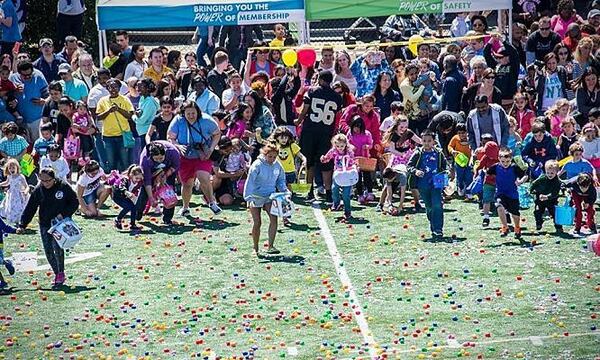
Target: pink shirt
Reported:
[(338, 157), (560, 26), (81, 120), (555, 129), (237, 129), (359, 141)]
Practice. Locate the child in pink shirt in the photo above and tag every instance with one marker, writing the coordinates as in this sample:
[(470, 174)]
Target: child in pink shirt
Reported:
[(362, 140)]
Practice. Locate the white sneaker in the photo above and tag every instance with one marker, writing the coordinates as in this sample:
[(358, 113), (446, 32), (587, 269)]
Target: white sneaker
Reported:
[(184, 212), (215, 208), (461, 192)]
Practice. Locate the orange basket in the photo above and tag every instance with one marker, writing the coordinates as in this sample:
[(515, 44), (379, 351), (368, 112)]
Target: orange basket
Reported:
[(366, 164)]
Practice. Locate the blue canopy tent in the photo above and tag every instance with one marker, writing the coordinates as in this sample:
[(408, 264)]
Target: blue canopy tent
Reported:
[(155, 14)]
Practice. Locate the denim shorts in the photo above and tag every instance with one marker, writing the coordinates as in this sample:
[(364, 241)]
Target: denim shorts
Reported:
[(489, 193), (91, 197)]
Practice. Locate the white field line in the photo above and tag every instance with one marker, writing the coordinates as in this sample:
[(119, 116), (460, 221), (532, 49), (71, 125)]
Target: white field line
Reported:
[(359, 314), (535, 340)]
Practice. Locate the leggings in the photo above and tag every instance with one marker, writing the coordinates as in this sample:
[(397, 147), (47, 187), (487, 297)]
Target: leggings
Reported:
[(127, 207), (54, 254), (365, 182)]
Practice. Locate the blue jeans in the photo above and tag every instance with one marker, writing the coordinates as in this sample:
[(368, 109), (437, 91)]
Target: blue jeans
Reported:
[(433, 205), (99, 153), (127, 207), (116, 153), (464, 176), (346, 190), (202, 50)]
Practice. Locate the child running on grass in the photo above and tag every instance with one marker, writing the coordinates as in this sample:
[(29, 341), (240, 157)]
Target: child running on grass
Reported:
[(459, 147), (488, 157), (340, 152), (125, 192), (583, 196), (508, 178), (17, 194), (424, 164), (546, 189)]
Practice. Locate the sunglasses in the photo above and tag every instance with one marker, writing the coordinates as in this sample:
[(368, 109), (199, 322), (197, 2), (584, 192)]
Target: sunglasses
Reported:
[(544, 28)]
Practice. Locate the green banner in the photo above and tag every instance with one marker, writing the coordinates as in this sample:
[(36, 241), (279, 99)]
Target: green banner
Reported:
[(344, 9)]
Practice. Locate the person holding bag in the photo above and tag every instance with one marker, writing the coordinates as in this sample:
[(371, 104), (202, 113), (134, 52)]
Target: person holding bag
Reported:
[(196, 135), (116, 111), (55, 200), (161, 158)]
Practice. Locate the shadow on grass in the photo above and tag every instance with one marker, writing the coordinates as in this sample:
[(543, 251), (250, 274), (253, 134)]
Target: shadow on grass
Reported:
[(67, 289), (163, 229), (445, 239), (213, 224), (299, 227), (294, 259)]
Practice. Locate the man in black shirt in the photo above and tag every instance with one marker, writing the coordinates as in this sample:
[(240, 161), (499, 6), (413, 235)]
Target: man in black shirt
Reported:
[(541, 41), (50, 112), (321, 105), (217, 78)]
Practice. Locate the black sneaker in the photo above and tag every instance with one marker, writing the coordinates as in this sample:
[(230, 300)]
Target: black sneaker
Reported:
[(9, 267), (559, 229), (118, 224), (485, 222), (538, 227)]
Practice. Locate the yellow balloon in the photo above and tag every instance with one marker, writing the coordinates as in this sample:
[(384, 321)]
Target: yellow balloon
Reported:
[(413, 42), (289, 57)]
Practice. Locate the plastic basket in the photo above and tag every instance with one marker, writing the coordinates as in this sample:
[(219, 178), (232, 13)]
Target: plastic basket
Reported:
[(565, 214), (366, 164), (461, 160), (440, 180)]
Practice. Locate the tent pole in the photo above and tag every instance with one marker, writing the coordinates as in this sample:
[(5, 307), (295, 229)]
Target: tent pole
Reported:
[(101, 35), (303, 32), (510, 24)]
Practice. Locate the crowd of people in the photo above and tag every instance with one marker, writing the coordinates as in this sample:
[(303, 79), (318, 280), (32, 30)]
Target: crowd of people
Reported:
[(496, 119)]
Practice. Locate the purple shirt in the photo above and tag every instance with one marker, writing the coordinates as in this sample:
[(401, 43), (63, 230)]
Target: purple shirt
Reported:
[(149, 166)]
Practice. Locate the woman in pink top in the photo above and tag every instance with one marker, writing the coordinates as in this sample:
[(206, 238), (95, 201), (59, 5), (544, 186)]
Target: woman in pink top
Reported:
[(366, 109), (566, 15)]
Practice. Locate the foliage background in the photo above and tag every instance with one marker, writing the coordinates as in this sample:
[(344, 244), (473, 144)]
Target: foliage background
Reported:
[(41, 22)]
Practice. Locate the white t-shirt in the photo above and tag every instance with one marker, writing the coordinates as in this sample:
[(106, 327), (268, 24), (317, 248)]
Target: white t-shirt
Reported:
[(552, 91), (228, 94), (60, 166), (386, 124), (90, 184), (136, 69)]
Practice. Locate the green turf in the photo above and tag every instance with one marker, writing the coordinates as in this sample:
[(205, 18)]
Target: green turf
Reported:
[(198, 292)]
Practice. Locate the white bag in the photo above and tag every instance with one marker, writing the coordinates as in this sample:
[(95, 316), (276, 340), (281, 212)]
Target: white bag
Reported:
[(282, 205), (346, 176), (66, 233)]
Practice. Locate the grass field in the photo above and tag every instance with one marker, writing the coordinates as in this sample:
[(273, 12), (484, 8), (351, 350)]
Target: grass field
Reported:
[(197, 292)]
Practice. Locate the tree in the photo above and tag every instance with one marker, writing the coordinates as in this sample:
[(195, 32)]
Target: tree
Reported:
[(41, 22)]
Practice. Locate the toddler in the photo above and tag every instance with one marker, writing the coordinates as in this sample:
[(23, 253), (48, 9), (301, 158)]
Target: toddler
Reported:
[(591, 145), (83, 126), (362, 141), (521, 111), (459, 144), (426, 78), (567, 138), (17, 195), (54, 160), (583, 196), (340, 152), (289, 153), (40, 146), (488, 157), (557, 113)]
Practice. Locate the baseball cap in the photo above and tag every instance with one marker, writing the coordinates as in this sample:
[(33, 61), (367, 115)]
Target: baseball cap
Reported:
[(592, 13), (501, 53), (64, 68), (46, 41)]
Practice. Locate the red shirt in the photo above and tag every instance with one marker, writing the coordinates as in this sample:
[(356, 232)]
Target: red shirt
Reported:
[(7, 85)]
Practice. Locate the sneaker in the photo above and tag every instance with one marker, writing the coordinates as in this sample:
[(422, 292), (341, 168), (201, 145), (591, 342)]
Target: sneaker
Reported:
[(559, 229), (59, 279), (504, 231), (9, 267), (347, 216), (518, 234), (184, 212), (321, 190), (287, 222), (215, 208), (575, 232), (461, 192), (335, 207), (379, 208), (3, 284), (118, 224), (362, 199), (437, 236), (134, 227), (538, 227), (272, 250), (485, 222)]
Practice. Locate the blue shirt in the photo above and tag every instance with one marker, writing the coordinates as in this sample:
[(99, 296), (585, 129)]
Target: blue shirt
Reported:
[(505, 180), (34, 88), (75, 89), (5, 116), (41, 145), (10, 33), (429, 165), (572, 169), (13, 147), (264, 179), (208, 102), (187, 133)]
